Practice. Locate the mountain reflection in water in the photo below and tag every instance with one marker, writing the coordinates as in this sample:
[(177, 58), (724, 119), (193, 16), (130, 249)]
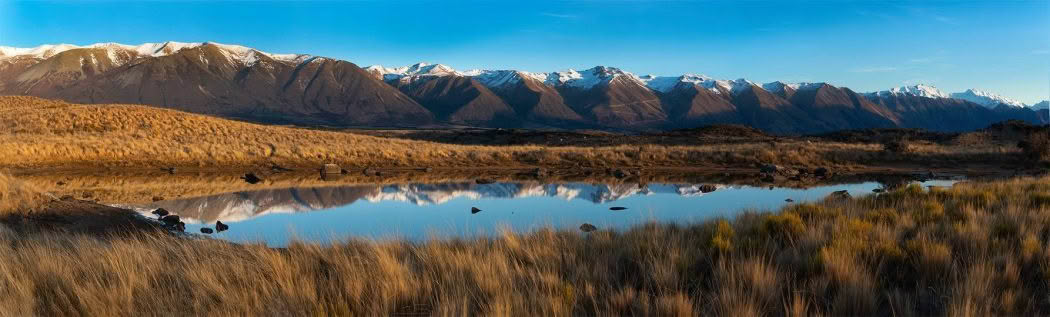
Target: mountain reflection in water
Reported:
[(419, 210)]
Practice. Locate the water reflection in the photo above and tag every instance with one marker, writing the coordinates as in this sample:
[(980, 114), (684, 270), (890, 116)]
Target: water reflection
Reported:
[(417, 211)]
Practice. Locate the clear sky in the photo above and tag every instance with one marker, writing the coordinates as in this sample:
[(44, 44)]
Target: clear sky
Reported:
[(1001, 46)]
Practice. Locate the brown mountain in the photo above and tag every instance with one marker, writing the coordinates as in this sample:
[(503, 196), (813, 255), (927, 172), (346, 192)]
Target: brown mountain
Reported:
[(458, 99), (620, 102), (831, 108), (240, 82), (215, 79), (534, 101)]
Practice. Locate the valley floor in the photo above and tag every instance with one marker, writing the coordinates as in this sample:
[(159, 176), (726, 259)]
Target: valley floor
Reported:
[(975, 249)]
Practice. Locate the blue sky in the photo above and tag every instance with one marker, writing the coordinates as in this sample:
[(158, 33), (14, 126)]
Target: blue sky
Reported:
[(999, 46)]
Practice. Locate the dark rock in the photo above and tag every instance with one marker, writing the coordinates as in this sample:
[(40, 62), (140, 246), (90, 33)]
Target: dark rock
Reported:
[(180, 226), (840, 194), (206, 230), (588, 227), (474, 210), (619, 173), (707, 188), (161, 212), (789, 200), (768, 168), (221, 226), (157, 198), (484, 181), (820, 172), (617, 208), (170, 219), (251, 178), (878, 190)]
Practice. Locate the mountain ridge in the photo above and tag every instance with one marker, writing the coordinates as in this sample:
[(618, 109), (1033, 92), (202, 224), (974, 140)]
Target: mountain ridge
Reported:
[(242, 82)]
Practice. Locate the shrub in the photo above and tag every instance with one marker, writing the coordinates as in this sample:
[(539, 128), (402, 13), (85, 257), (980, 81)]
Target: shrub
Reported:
[(722, 237), (786, 225), (1036, 146), (897, 146)]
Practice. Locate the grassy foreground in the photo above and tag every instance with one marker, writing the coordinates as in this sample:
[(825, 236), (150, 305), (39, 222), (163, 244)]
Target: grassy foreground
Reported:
[(41, 133), (976, 249)]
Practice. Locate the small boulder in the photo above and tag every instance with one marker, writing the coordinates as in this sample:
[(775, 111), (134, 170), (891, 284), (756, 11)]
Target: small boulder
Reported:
[(331, 169), (161, 212), (206, 230), (474, 210), (588, 227), (789, 200), (820, 172), (617, 208), (251, 178), (170, 219), (180, 226), (840, 194), (707, 188), (221, 226)]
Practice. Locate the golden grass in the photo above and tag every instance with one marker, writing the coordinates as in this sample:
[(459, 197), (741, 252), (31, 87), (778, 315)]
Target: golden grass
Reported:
[(41, 133), (975, 249), (16, 195)]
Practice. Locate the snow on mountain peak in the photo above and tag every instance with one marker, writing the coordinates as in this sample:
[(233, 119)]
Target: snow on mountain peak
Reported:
[(779, 87), (1041, 106), (588, 78), (243, 54), (986, 99), (920, 90), (413, 71)]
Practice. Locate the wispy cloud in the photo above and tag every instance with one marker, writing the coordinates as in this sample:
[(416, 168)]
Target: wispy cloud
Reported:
[(559, 15), (875, 69)]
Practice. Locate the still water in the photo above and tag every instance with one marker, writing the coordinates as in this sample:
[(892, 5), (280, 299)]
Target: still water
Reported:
[(421, 211)]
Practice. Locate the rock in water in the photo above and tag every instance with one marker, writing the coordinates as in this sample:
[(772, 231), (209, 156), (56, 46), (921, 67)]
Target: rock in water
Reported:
[(789, 200), (707, 188), (170, 219), (161, 212), (840, 194), (588, 227), (251, 178), (617, 208), (474, 210), (221, 226), (206, 230)]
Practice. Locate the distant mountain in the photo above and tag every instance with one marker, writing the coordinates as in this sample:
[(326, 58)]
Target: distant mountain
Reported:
[(241, 82), (986, 99)]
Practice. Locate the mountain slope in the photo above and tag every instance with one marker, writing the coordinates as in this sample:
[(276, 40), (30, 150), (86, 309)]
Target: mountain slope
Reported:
[(242, 82)]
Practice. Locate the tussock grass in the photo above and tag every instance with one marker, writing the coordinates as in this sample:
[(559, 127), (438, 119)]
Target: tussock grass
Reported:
[(38, 133), (975, 249), (17, 196)]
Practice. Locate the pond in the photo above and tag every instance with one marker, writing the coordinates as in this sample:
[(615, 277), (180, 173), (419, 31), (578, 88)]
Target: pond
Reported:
[(467, 209)]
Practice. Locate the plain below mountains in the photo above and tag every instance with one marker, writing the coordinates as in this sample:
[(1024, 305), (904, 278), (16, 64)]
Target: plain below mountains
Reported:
[(240, 82)]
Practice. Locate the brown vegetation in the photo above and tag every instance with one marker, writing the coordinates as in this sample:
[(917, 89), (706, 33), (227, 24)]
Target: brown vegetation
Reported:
[(975, 249), (40, 133)]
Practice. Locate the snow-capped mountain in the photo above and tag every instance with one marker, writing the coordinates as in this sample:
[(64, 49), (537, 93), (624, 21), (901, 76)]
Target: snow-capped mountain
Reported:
[(1044, 105), (919, 90), (986, 99), (239, 81)]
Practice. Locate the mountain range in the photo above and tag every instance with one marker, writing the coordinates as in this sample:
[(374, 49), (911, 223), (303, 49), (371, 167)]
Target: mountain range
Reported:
[(240, 82)]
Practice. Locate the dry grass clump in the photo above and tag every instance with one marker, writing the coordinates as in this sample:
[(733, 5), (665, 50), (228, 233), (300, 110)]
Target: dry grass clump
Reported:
[(38, 132), (974, 249), (17, 196)]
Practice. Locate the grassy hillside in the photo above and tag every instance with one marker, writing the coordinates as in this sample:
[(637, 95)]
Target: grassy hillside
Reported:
[(975, 249), (40, 133)]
